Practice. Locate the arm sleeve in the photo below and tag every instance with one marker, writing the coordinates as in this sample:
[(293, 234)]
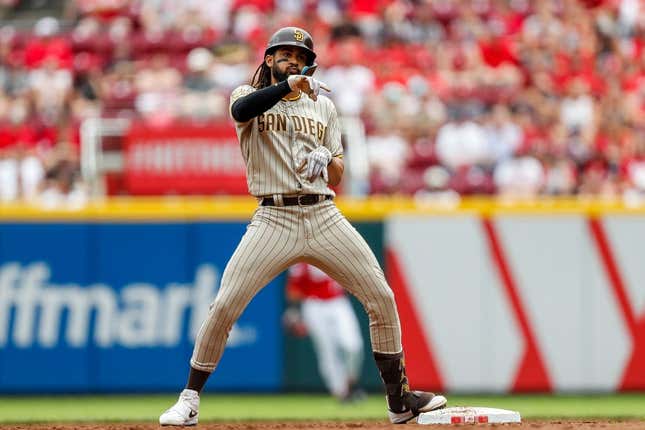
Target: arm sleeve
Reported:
[(254, 103)]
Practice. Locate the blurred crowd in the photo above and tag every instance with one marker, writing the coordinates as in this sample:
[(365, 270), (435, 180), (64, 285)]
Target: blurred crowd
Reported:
[(457, 97)]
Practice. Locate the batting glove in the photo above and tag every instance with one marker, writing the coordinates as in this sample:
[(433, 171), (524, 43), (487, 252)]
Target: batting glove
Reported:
[(316, 163), (306, 84)]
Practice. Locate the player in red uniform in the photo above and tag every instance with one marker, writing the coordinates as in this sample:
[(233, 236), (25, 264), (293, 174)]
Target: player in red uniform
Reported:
[(329, 319)]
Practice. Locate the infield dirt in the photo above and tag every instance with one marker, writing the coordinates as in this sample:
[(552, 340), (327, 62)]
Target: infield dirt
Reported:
[(359, 425)]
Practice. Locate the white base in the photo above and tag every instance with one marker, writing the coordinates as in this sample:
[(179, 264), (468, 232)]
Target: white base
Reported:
[(469, 415)]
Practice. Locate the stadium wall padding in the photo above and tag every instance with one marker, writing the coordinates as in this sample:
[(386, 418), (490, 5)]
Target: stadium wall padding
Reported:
[(114, 307), (493, 297), (521, 302)]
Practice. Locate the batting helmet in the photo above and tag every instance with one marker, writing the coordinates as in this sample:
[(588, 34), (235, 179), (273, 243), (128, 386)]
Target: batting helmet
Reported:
[(292, 36)]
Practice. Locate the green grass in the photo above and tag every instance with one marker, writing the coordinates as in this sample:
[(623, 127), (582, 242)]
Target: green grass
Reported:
[(22, 409)]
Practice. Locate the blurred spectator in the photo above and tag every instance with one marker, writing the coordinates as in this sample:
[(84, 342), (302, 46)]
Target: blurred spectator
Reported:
[(51, 85), (117, 88), (197, 78), (352, 82), (577, 109), (158, 85), (62, 185), (521, 177), (231, 66), (436, 188), (318, 307), (387, 153), (47, 46), (635, 168), (31, 175), (503, 135), (9, 188), (462, 142), (559, 176), (199, 100)]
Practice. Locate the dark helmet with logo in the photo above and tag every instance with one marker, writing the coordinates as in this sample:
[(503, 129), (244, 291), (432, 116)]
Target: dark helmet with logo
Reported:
[(292, 36)]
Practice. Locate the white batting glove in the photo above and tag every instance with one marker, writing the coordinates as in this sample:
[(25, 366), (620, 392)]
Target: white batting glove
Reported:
[(307, 84), (316, 163)]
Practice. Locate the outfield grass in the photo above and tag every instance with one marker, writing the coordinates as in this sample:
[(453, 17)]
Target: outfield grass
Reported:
[(22, 409)]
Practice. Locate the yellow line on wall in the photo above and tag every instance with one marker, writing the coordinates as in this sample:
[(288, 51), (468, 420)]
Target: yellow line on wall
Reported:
[(241, 208)]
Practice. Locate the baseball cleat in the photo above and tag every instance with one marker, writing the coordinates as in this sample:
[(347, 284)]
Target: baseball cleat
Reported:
[(416, 402), (183, 413)]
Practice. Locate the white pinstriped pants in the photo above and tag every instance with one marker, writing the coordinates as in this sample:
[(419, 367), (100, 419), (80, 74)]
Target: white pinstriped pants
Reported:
[(278, 237)]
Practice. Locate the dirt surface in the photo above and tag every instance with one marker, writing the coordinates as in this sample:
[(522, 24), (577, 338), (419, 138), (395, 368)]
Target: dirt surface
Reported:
[(358, 425)]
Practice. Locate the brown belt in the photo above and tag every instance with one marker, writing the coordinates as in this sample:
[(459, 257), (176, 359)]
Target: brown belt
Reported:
[(301, 200)]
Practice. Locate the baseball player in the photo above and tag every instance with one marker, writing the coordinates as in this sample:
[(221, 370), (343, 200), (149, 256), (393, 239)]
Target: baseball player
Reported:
[(290, 140), (328, 317)]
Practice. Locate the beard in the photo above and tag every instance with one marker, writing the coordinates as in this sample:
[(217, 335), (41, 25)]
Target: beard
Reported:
[(279, 75)]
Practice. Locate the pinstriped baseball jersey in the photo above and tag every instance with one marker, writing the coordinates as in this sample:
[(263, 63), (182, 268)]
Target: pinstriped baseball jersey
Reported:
[(275, 143)]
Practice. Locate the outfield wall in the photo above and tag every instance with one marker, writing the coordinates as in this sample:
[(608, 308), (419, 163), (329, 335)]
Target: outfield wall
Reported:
[(99, 307), (528, 302), (493, 297)]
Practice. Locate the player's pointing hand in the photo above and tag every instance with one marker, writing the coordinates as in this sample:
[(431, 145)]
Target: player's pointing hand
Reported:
[(307, 85)]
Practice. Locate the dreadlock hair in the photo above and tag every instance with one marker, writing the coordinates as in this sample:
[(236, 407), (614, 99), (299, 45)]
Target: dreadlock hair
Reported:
[(261, 77)]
